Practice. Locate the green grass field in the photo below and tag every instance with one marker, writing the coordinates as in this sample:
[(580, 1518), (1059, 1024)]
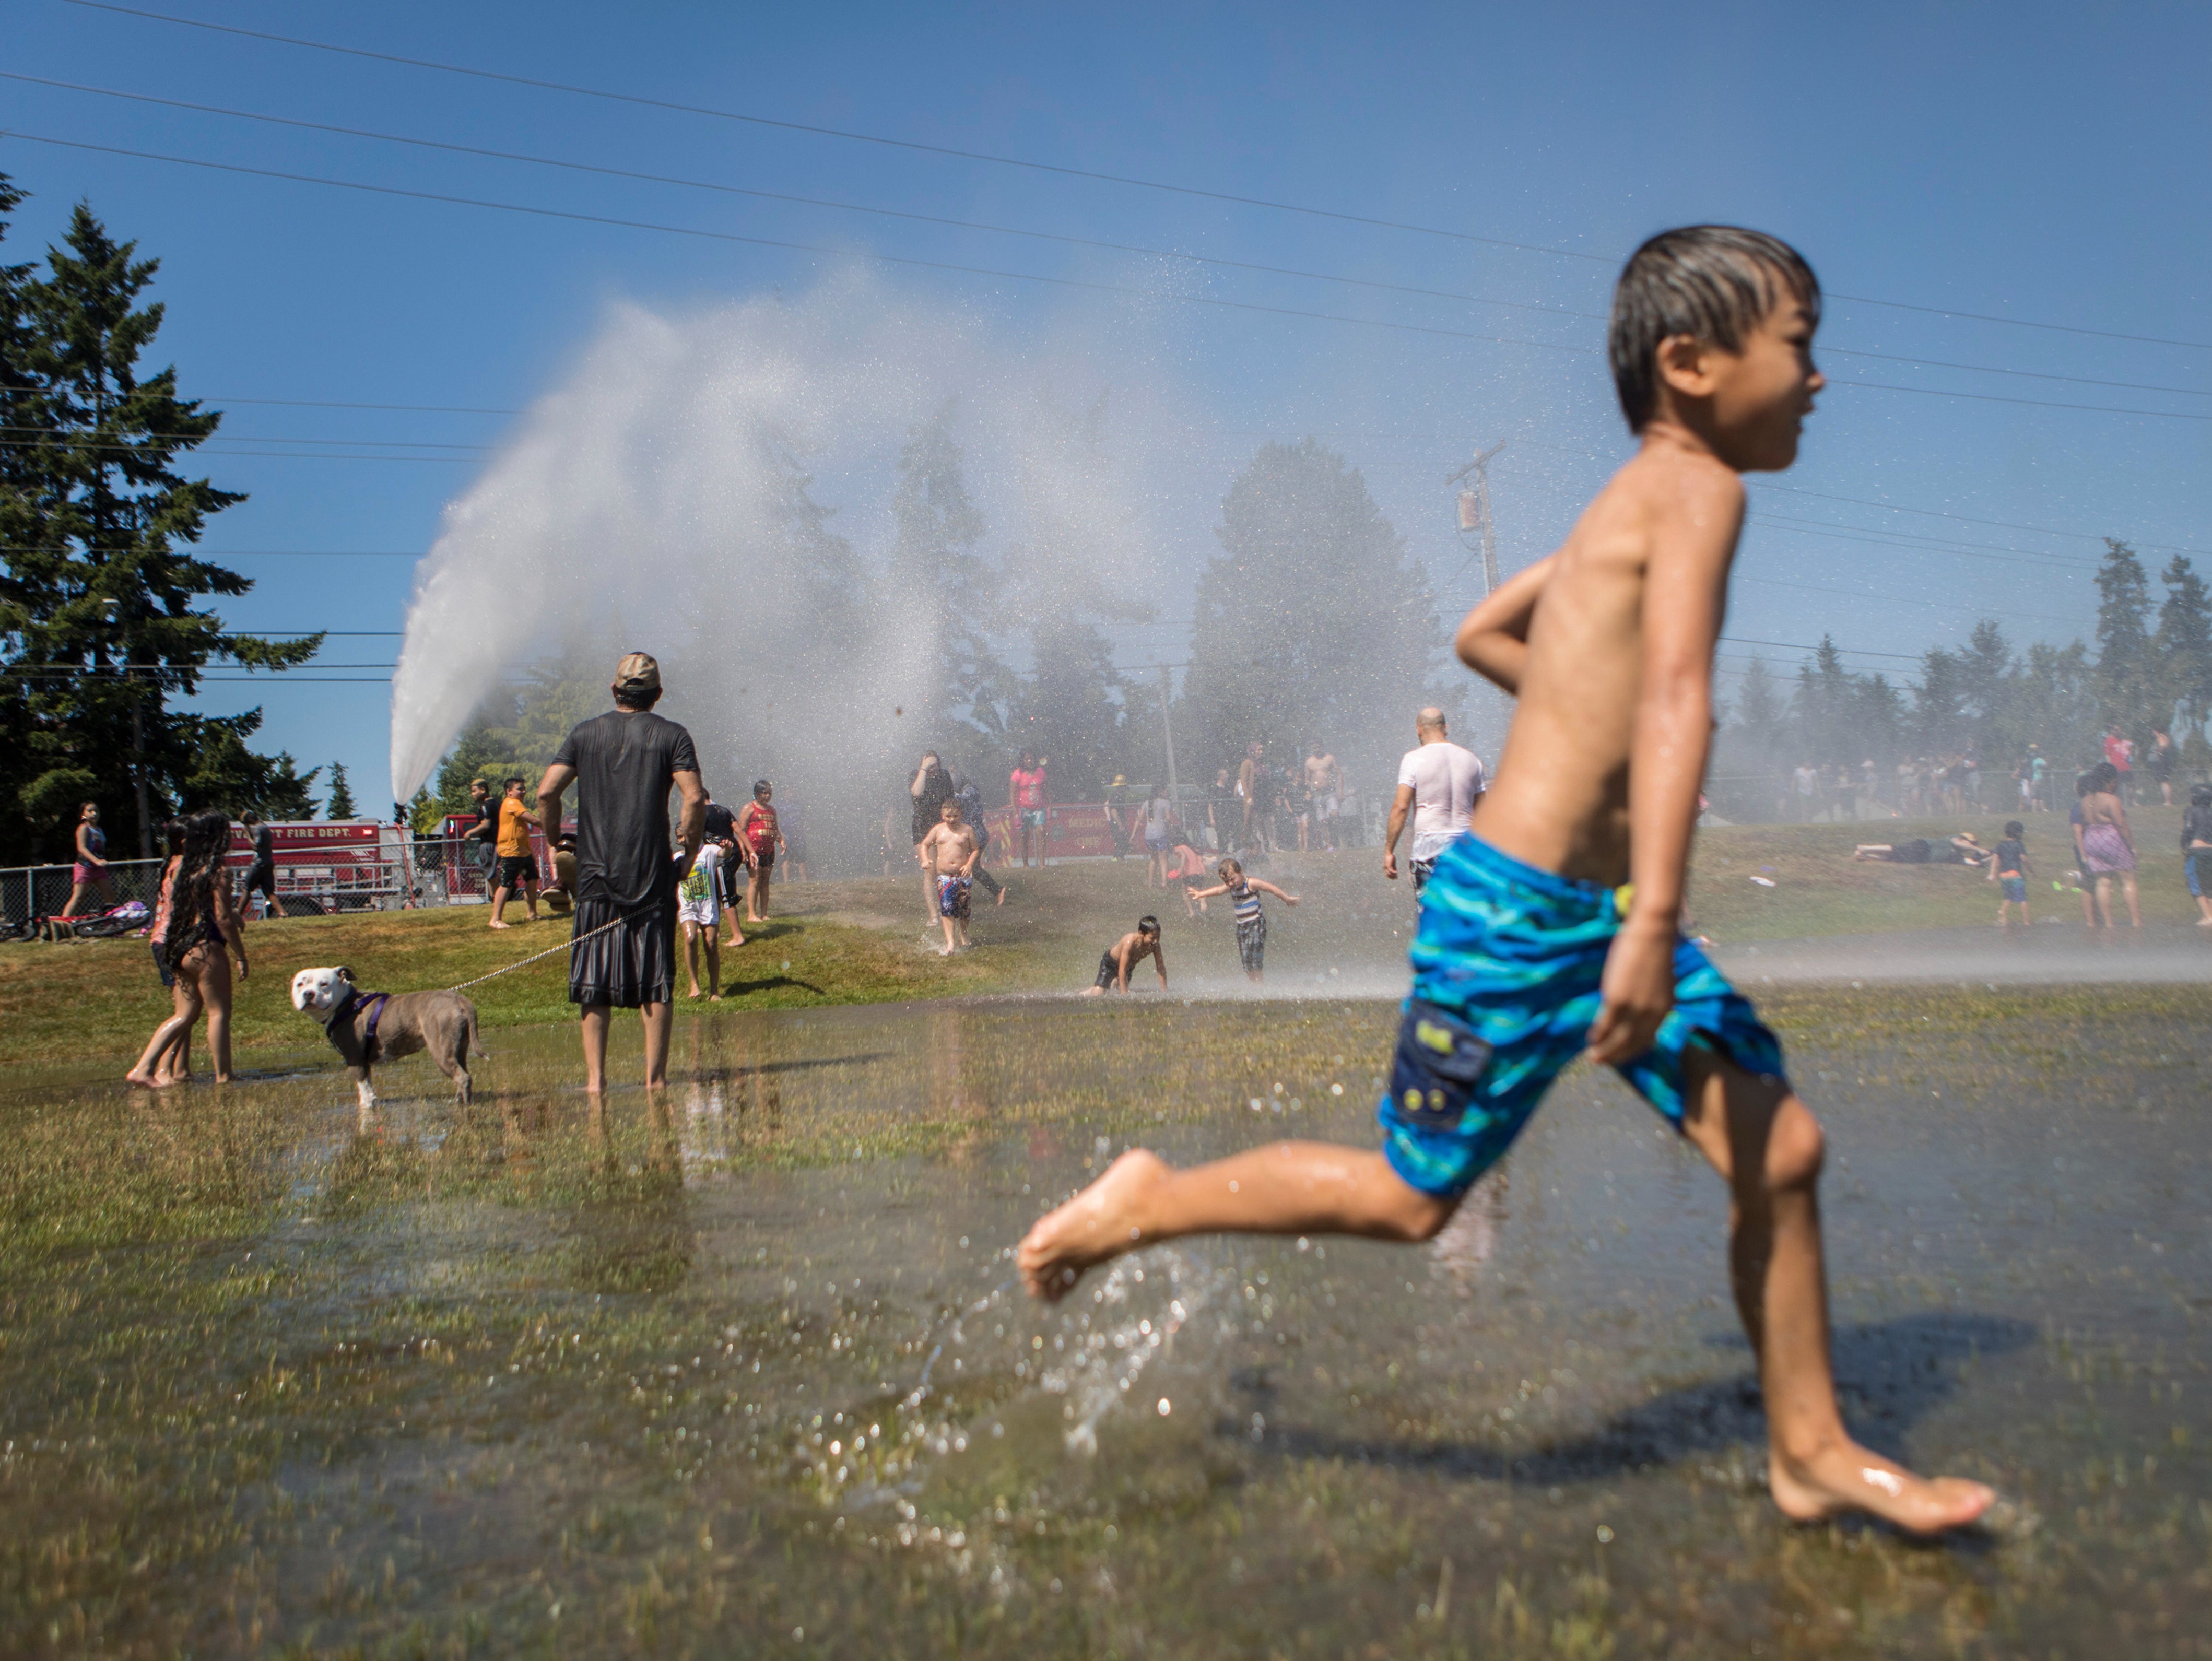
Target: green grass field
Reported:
[(861, 941)]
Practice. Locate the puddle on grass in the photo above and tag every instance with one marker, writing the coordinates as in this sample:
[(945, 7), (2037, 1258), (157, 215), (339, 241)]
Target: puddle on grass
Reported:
[(742, 1369)]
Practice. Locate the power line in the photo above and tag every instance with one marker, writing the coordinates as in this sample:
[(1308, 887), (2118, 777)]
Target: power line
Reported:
[(1996, 524), (798, 247), (1016, 230), (194, 551), (1045, 166), (1154, 294)]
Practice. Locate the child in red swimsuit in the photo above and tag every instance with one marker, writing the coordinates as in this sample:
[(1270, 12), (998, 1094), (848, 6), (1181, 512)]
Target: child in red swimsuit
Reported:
[(757, 827)]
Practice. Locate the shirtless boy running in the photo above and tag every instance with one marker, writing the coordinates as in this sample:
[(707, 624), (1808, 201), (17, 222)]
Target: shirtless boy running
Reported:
[(949, 853), (1553, 928)]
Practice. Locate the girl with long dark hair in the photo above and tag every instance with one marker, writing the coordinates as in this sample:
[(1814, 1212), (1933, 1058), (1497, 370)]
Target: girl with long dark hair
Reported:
[(205, 928)]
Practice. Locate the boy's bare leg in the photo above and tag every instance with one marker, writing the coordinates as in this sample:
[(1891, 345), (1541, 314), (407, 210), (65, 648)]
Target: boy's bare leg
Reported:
[(714, 966), (1767, 1144), (1283, 1188), (2135, 907)]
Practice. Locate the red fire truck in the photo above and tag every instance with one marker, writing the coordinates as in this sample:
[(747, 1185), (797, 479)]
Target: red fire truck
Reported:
[(332, 865)]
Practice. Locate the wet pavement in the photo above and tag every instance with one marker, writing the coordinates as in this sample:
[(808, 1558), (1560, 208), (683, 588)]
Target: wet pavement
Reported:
[(743, 1370)]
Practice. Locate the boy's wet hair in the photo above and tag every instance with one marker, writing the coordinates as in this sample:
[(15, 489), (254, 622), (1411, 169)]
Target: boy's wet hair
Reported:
[(1716, 282), (2014, 829), (1148, 924), (1223, 869)]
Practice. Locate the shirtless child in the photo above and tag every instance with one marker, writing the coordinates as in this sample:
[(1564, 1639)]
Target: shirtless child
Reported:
[(949, 853), (1554, 929), (1119, 960)]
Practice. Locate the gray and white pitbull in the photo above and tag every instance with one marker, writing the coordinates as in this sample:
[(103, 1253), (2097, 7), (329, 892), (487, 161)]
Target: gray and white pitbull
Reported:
[(368, 1027)]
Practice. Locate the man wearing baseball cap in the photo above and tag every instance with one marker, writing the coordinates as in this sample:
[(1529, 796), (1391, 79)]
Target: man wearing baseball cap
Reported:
[(624, 956)]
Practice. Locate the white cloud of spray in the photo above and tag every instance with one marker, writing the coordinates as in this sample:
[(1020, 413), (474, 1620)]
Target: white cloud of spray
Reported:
[(644, 504)]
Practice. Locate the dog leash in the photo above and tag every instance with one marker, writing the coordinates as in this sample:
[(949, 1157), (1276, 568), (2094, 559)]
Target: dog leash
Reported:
[(569, 944)]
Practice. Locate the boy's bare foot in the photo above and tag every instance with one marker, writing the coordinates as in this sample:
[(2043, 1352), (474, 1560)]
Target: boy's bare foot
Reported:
[(142, 1081), (1002, 900), (503, 925), (1848, 1477), (1088, 1229), (695, 992)]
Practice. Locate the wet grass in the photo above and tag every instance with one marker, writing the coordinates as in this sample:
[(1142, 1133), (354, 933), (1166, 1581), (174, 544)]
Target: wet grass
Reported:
[(1819, 890), (828, 944), (862, 941), (739, 1370)]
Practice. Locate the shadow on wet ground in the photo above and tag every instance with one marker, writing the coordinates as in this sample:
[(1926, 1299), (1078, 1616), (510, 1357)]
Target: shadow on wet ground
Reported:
[(740, 1367)]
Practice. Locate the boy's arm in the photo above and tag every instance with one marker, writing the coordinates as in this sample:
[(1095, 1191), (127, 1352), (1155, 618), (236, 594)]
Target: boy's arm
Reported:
[(1493, 642), (1205, 893), (1684, 596), (1266, 887), (1160, 962)]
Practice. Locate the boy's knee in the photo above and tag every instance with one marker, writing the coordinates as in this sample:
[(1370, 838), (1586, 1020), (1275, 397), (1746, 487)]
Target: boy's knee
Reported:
[(1418, 1216), (1795, 1148)]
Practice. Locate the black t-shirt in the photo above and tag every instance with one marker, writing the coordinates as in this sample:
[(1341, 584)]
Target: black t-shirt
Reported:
[(936, 791), (721, 822), (624, 764), (2012, 855), (265, 847)]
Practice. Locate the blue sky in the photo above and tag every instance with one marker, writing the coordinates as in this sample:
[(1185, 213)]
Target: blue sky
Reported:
[(2036, 163)]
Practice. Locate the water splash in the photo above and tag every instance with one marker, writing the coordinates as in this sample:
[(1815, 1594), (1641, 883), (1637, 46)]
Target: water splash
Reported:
[(677, 493)]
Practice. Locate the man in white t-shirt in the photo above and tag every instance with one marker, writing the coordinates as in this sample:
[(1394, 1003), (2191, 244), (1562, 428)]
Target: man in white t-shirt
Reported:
[(1438, 784)]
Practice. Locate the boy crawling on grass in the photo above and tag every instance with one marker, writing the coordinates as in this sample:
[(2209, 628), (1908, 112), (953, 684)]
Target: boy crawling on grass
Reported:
[(1551, 928)]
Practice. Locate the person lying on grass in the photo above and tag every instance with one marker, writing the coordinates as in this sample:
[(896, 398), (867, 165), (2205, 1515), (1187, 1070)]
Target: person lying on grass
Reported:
[(1961, 849)]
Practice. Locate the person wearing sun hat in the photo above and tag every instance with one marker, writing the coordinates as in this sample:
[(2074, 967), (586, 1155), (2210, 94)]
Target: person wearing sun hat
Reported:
[(622, 764)]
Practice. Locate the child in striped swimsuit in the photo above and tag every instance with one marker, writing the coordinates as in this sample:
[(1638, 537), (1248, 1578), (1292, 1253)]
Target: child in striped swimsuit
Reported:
[(1244, 893)]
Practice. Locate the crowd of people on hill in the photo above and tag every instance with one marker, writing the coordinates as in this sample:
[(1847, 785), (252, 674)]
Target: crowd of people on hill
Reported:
[(1955, 782)]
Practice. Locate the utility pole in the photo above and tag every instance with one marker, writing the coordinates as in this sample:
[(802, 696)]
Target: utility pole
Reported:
[(1475, 515), (1167, 694)]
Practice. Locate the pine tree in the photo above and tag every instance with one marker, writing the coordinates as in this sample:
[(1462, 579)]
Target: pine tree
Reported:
[(934, 568), (2183, 644), (341, 803), (1068, 709), (1311, 623), (98, 620), (2127, 667), (1763, 716)]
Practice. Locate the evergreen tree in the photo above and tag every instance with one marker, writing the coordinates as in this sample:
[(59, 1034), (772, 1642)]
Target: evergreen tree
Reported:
[(1068, 709), (1311, 623), (98, 621), (1827, 708), (934, 568), (341, 803), (1762, 715), (2184, 644), (2127, 667), (1940, 720)]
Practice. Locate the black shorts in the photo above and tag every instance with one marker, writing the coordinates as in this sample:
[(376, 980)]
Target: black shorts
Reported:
[(262, 878), (516, 869), (632, 964), (764, 860), (1108, 970)]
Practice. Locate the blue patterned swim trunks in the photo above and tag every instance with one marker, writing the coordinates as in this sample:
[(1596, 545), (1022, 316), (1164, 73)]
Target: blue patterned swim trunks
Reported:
[(1506, 962)]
